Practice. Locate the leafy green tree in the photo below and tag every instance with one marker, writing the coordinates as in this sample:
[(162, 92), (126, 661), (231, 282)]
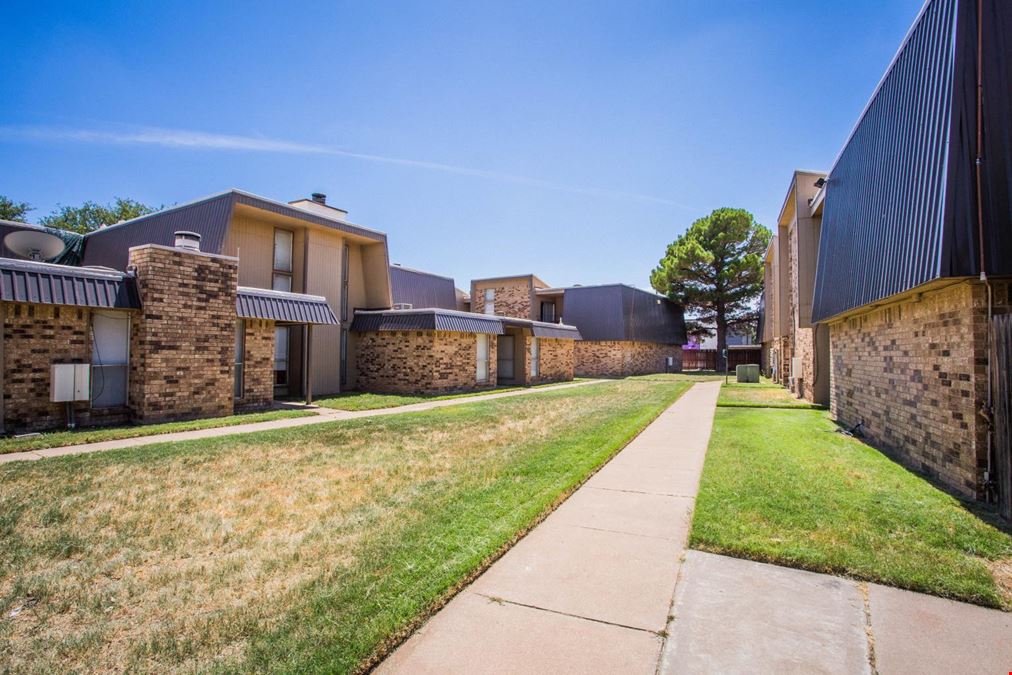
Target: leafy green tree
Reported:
[(715, 271), (12, 210), (90, 216)]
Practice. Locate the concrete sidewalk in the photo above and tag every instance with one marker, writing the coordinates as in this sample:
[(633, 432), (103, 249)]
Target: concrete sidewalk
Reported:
[(323, 416), (604, 585), (739, 616), (590, 588)]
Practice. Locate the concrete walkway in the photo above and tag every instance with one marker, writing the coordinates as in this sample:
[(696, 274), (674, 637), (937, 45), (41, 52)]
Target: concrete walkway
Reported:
[(323, 415), (604, 585), (739, 616), (588, 590)]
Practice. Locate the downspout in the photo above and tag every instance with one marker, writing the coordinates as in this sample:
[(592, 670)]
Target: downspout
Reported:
[(986, 410)]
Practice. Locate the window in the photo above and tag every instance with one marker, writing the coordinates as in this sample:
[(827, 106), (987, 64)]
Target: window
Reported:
[(535, 357), (281, 356), (548, 312), (403, 305), (344, 282), (490, 301), (240, 358), (282, 282), (482, 371), (110, 358), (283, 242)]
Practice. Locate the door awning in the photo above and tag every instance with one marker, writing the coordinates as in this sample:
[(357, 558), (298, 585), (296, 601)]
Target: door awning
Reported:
[(282, 307)]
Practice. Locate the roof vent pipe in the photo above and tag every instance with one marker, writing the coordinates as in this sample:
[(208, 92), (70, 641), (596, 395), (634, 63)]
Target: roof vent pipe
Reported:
[(319, 198), (187, 240)]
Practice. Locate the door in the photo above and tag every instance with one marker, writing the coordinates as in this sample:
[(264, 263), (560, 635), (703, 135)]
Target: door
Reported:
[(504, 357), (281, 361)]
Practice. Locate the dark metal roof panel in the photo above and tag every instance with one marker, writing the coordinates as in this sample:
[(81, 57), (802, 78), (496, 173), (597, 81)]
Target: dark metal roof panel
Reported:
[(421, 289), (209, 217), (620, 312), (47, 284), (259, 303), (426, 319), (900, 207), (960, 251)]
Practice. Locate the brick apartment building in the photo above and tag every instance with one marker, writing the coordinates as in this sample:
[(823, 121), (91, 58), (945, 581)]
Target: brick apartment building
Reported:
[(137, 332), (915, 254), (796, 350), (226, 303), (623, 330)]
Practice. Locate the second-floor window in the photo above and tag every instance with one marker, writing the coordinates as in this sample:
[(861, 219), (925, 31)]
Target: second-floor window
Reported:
[(283, 244), (490, 301), (548, 312)]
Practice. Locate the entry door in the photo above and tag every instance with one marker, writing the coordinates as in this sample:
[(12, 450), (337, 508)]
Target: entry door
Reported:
[(504, 357)]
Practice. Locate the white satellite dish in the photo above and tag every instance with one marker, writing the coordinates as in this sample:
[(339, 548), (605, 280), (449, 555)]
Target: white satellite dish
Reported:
[(34, 244)]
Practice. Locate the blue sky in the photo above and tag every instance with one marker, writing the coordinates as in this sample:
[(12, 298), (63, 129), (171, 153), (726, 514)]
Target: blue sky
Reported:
[(572, 140)]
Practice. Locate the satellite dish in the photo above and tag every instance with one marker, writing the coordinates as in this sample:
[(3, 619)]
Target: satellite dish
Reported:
[(34, 244)]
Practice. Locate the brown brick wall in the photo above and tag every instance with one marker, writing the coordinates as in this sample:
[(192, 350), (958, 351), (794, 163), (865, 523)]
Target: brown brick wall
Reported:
[(182, 348), (914, 372), (35, 337), (420, 362), (621, 358), (258, 391), (556, 360), (512, 298)]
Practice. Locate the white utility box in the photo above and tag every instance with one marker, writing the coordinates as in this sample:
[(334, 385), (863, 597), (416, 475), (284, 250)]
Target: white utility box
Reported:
[(796, 366), (70, 382)]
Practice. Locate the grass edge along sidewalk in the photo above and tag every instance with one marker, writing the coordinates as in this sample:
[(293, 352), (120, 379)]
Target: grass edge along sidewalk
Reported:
[(782, 486), (368, 526), (65, 438)]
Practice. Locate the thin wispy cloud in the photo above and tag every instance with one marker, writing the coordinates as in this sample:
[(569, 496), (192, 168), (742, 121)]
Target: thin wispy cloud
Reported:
[(199, 140)]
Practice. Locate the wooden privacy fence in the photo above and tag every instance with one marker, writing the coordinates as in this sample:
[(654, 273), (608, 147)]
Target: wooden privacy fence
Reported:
[(706, 359), (1001, 363)]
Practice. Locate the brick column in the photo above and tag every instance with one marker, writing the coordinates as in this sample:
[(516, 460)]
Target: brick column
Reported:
[(182, 345)]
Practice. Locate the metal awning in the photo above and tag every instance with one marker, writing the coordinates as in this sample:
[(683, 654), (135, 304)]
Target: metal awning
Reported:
[(426, 319), (555, 330), (48, 284), (454, 321), (298, 308), (559, 331)]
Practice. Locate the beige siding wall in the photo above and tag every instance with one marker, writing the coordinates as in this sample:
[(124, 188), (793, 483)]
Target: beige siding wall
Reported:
[(323, 277), (252, 241), (318, 256)]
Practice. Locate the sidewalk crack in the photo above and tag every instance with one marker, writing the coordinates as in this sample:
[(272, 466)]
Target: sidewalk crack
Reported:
[(504, 601), (641, 492), (862, 588)]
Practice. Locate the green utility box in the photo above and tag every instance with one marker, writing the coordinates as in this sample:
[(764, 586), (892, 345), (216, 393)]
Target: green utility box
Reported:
[(747, 374)]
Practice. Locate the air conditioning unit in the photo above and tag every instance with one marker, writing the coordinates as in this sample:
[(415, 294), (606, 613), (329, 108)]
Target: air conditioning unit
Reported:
[(70, 382)]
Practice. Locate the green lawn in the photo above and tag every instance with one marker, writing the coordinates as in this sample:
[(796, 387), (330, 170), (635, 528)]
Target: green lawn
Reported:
[(295, 550), (761, 395), (59, 439), (360, 400), (782, 486)]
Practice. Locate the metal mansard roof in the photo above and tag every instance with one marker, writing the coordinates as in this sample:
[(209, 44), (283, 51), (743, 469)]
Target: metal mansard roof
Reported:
[(49, 284), (299, 308)]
